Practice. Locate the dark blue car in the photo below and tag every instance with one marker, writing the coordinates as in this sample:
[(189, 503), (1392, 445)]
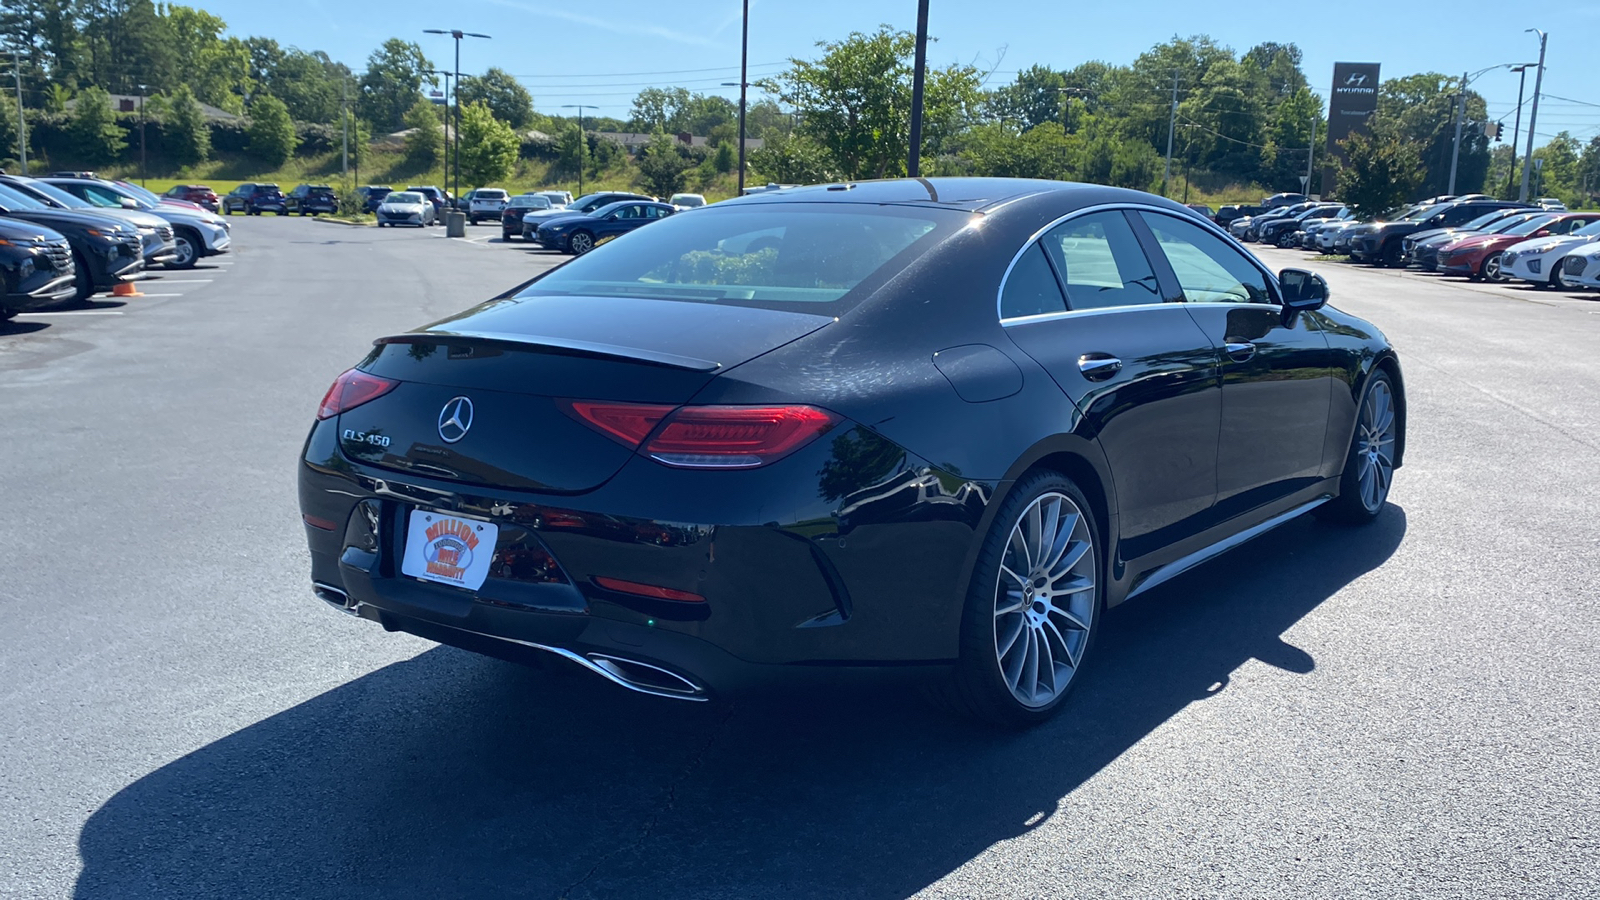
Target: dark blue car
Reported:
[(578, 234)]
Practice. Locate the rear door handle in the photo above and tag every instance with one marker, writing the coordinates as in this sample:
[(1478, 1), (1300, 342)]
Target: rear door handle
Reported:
[(1098, 366), (1240, 351)]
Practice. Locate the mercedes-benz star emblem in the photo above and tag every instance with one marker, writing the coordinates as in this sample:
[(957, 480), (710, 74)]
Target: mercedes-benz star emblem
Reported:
[(455, 419)]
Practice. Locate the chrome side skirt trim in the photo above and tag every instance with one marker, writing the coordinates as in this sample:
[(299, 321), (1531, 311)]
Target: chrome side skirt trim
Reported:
[(1183, 564)]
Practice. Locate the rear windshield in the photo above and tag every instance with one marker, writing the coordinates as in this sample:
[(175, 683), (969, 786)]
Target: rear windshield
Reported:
[(490, 195), (532, 202), (402, 197), (778, 256)]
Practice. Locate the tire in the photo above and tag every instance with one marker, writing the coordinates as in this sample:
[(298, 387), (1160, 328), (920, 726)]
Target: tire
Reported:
[(994, 644), (1286, 240), (83, 281), (1371, 452), (1390, 255), (580, 242), (189, 248), (1491, 271), (505, 235)]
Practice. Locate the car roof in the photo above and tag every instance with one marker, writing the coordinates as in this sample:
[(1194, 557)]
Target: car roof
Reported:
[(962, 193)]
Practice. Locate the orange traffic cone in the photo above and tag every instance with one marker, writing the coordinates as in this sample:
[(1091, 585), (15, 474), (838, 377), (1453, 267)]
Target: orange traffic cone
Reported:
[(125, 289)]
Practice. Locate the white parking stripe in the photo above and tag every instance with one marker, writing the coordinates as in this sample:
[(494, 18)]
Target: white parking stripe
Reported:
[(75, 312), (148, 294), (182, 280)]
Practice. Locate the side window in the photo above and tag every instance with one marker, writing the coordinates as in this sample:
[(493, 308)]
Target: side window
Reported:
[(102, 197), (1031, 288), (1101, 262), (1207, 268)]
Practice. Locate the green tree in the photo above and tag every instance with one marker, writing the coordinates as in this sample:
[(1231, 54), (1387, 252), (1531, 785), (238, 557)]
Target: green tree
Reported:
[(9, 148), (1036, 96), (855, 101), (392, 83), (659, 109), (725, 158), (425, 143), (214, 67), (1382, 172), (1289, 135), (127, 44), (662, 166), (1421, 109), (188, 138), (488, 146), (791, 160), (500, 91), (96, 137), (271, 136)]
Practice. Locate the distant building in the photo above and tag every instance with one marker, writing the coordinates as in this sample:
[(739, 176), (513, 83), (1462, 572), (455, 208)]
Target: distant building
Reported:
[(129, 103), (633, 141)]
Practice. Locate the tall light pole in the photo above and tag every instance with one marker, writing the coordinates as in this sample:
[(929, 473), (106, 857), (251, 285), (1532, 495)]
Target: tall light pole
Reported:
[(1533, 116), (458, 34), (446, 123), (744, 86), (141, 136), (914, 164), (22, 122), (583, 139), (1522, 82), (1461, 116)]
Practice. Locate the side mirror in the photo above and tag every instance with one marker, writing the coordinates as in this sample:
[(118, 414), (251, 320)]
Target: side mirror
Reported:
[(127, 203), (1302, 291), (613, 217)]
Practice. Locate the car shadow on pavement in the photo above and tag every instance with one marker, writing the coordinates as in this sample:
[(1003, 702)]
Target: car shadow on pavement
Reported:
[(455, 775), (12, 326)]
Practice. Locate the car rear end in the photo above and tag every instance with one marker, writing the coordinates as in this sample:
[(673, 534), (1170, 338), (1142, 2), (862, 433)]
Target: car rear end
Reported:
[(487, 203), (320, 200), (268, 198), (202, 195), (515, 494)]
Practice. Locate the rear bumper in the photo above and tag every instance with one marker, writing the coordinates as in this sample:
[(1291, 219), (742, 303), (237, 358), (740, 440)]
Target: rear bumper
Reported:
[(878, 586)]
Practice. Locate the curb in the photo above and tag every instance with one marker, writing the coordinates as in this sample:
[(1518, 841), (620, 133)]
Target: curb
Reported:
[(343, 222)]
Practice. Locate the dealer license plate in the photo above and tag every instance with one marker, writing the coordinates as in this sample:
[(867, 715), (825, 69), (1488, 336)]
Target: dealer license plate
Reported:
[(448, 549)]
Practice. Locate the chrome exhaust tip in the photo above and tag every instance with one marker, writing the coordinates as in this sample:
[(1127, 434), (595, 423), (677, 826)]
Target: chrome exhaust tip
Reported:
[(645, 677), (336, 598)]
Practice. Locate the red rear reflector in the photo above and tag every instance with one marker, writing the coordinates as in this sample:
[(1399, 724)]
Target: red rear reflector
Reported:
[(323, 524), (352, 389), (647, 590), (724, 437), (626, 423)]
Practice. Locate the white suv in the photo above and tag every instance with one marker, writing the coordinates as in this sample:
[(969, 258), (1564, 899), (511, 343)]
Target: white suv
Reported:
[(487, 203)]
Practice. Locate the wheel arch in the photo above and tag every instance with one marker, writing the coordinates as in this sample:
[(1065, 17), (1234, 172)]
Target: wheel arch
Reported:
[(1389, 364)]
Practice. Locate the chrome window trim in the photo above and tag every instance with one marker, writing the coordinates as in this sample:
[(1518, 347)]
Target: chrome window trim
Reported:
[(1033, 239)]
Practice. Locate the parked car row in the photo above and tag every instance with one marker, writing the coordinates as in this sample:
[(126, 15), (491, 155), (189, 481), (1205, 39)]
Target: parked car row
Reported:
[(66, 236), (1472, 236)]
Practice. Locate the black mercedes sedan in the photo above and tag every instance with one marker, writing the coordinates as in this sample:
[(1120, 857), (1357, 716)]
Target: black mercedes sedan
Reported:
[(937, 424)]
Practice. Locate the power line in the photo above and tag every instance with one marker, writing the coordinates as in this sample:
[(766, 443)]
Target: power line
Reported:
[(639, 74)]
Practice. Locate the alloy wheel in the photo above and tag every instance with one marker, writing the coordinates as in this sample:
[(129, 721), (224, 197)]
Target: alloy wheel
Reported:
[(1491, 268), (1045, 599), (1375, 434), (185, 250), (581, 243)]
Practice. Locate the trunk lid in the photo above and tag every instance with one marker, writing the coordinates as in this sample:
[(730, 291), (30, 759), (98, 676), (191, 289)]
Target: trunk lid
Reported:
[(514, 360)]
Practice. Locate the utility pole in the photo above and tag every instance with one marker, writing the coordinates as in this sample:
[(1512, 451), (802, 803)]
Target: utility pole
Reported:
[(141, 136), (583, 139), (1461, 114), (744, 86), (1533, 116), (914, 163), (1311, 154), (1172, 125), (22, 122), (344, 103), (1516, 129)]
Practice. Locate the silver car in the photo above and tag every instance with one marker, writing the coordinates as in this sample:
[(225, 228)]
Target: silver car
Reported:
[(406, 208)]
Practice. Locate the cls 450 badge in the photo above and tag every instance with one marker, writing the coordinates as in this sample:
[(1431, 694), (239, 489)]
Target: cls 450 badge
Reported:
[(365, 437)]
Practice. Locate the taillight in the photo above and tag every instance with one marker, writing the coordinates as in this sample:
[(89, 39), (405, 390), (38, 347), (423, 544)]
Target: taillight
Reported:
[(655, 592), (352, 389), (708, 437)]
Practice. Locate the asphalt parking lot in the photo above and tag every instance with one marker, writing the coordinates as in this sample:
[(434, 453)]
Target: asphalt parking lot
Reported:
[(1408, 709)]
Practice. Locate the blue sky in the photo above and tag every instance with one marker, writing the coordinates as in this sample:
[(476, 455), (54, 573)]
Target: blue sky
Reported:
[(590, 52)]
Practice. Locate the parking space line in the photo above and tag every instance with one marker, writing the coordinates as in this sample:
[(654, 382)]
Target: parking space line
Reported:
[(76, 312), (182, 280), (148, 294)]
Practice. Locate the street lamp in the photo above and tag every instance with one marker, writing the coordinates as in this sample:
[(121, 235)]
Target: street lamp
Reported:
[(1533, 115), (582, 140), (914, 164), (458, 34), (1522, 81), (744, 85), (141, 135), (1461, 114), (22, 122), (450, 131)]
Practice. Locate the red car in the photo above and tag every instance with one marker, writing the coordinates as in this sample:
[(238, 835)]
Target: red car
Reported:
[(1478, 255), (198, 194)]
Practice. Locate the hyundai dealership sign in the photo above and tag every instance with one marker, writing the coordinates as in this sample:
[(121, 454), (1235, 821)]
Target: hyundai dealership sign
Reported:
[(1350, 107)]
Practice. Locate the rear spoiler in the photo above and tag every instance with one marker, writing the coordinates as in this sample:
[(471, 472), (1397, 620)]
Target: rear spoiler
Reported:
[(556, 344)]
